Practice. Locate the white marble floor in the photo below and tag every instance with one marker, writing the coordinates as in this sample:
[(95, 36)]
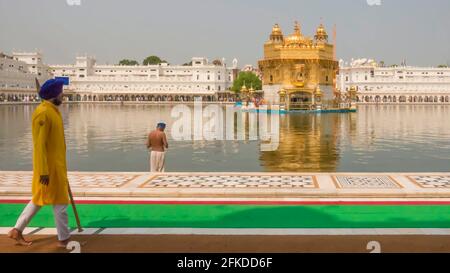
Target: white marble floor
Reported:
[(280, 185)]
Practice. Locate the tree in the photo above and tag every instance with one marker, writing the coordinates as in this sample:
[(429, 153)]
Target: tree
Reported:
[(250, 79), (152, 60), (188, 64), (128, 62), (442, 66)]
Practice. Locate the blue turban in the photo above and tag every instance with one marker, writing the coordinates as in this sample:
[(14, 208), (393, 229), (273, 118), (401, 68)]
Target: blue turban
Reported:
[(51, 89), (161, 125)]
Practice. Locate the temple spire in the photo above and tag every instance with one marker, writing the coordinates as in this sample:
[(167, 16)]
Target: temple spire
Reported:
[(297, 29)]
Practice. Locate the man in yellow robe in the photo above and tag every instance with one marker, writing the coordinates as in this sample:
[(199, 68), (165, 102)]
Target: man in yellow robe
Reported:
[(50, 183)]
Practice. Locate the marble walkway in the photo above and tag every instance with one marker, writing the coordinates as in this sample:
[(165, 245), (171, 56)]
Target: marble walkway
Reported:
[(244, 188), (239, 186)]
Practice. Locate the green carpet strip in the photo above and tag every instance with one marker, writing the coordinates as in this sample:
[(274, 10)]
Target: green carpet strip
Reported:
[(242, 216)]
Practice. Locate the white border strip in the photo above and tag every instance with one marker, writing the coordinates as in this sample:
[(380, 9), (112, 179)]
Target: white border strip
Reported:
[(271, 231)]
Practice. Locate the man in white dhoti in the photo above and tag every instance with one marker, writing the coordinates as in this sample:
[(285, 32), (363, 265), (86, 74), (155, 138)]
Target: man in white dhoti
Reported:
[(157, 142)]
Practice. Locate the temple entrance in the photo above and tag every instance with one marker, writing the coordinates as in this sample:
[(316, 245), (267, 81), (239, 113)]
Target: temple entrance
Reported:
[(300, 100)]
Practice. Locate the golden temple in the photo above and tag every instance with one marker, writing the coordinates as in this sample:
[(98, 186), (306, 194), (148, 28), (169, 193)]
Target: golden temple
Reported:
[(299, 72)]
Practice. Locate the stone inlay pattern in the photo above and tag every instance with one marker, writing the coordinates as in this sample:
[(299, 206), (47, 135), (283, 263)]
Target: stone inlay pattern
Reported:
[(365, 182), (431, 181), (100, 180), (142, 184), (16, 179), (84, 180), (232, 181)]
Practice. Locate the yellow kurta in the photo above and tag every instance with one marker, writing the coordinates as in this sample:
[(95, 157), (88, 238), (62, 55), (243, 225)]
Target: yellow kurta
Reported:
[(49, 156)]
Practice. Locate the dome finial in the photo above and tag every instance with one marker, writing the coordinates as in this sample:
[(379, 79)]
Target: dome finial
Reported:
[(297, 28), (244, 88)]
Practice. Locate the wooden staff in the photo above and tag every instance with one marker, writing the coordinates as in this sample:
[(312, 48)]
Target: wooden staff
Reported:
[(77, 218)]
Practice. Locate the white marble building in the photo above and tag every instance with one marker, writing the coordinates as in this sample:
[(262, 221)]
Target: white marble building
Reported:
[(17, 75), (397, 85), (92, 82)]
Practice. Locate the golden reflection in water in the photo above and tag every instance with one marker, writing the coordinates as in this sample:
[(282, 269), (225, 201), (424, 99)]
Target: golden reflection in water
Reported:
[(309, 143), (378, 138)]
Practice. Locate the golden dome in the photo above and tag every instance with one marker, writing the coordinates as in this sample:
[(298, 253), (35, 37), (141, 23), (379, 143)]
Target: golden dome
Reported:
[(293, 40), (321, 33), (321, 30), (276, 30), (244, 88), (276, 35), (296, 38)]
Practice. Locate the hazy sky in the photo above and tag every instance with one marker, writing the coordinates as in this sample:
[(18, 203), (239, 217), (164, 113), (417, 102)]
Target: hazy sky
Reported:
[(110, 30)]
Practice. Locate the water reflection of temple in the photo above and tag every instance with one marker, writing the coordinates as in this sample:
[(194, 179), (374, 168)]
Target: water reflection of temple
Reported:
[(309, 143)]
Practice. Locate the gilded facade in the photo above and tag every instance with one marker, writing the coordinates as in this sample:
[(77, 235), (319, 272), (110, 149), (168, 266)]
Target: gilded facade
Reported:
[(299, 72)]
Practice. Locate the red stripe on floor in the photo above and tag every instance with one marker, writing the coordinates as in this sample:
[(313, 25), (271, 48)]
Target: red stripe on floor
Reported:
[(174, 202)]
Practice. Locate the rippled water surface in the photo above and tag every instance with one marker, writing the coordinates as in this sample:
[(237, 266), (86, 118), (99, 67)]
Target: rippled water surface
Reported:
[(112, 138)]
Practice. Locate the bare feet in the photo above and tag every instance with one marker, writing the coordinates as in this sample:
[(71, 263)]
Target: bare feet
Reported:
[(17, 236), (63, 244)]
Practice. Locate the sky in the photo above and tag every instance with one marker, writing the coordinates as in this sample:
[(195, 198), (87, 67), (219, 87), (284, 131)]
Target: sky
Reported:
[(176, 30)]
